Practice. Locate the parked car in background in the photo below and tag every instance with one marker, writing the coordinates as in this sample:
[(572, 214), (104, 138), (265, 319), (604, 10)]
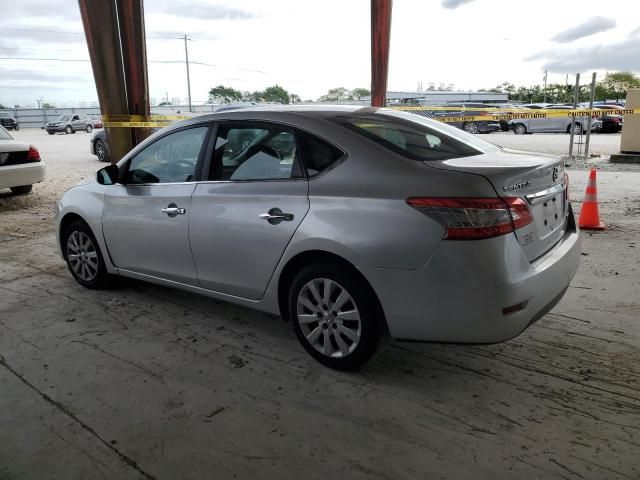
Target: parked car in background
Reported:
[(96, 122), (281, 209), (8, 121), (611, 121), (20, 164), (562, 124), (454, 110), (71, 123), (100, 146)]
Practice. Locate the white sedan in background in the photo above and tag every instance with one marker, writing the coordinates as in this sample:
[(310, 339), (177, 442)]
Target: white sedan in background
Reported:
[(20, 164)]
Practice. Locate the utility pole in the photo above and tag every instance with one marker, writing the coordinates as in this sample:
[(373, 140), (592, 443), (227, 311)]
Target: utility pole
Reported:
[(186, 59), (545, 86)]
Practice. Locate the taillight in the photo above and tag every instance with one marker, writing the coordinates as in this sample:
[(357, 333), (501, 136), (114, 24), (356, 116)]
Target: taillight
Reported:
[(33, 155), (474, 218)]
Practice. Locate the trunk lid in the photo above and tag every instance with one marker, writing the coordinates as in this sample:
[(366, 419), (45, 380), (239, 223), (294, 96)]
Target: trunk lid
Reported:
[(537, 178)]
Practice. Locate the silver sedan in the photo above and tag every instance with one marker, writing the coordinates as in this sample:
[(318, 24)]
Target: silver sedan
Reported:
[(355, 224)]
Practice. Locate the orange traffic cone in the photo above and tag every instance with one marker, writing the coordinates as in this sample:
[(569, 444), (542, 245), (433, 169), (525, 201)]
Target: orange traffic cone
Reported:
[(589, 215)]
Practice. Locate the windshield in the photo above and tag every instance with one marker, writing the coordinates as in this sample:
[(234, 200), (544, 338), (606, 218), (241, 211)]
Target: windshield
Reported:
[(63, 118), (4, 135)]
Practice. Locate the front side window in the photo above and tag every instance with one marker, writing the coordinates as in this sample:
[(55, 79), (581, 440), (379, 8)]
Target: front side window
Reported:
[(171, 159), (255, 152)]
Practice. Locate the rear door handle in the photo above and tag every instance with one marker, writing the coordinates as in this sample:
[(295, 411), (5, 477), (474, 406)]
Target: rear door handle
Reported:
[(275, 216), (172, 210)]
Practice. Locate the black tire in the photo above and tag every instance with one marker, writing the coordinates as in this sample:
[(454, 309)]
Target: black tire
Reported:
[(68, 129), (22, 189), (101, 278), (16, 128), (89, 128), (578, 130), (100, 148), (50, 132), (471, 127), (372, 325), (520, 129)]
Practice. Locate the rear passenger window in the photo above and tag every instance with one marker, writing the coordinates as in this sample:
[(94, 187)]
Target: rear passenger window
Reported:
[(255, 151), (317, 154)]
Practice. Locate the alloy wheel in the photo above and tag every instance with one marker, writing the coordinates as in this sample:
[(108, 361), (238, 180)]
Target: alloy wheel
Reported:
[(100, 151), (82, 256), (329, 318)]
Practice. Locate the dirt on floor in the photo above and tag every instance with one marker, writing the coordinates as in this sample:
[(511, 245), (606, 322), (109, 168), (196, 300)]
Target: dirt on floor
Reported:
[(146, 382)]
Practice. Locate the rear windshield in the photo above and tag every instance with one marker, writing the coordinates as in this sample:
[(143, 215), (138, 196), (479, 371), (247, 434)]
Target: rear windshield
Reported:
[(4, 135), (410, 136)]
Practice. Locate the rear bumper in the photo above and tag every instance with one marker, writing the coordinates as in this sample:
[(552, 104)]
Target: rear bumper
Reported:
[(24, 174), (459, 296)]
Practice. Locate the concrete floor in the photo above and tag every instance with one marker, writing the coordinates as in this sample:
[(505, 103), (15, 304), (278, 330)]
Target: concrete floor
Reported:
[(146, 382)]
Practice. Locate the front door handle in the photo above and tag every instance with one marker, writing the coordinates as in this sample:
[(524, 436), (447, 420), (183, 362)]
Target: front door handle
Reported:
[(172, 210), (275, 216)]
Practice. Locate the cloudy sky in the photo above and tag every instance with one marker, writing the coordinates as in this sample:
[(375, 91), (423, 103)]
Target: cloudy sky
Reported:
[(310, 46)]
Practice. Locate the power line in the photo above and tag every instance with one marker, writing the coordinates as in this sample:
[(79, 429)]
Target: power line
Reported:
[(191, 62), (66, 32)]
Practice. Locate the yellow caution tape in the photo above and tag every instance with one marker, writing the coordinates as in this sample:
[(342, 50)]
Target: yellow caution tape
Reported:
[(136, 124), (510, 115), (490, 115), (143, 118)]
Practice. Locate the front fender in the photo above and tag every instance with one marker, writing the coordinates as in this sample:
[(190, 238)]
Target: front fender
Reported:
[(85, 201)]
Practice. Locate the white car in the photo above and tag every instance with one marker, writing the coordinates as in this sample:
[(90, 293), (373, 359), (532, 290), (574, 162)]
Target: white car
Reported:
[(20, 164)]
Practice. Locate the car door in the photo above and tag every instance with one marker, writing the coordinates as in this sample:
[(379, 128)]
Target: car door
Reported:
[(145, 218), (244, 217)]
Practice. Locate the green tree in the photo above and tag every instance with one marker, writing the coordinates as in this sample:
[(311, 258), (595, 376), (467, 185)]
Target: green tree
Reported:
[(2, 106), (294, 98), (224, 94), (275, 94), (616, 84), (48, 105), (339, 94), (358, 93)]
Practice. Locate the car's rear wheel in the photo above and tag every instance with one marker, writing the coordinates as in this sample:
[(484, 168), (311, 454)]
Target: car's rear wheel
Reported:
[(336, 316), (577, 129), (68, 129), (471, 127), (89, 128), (101, 151), (22, 189), (520, 129), (83, 256)]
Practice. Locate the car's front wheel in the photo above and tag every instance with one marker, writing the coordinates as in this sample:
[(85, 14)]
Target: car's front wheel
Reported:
[(336, 316), (83, 256), (68, 129), (22, 189), (471, 127)]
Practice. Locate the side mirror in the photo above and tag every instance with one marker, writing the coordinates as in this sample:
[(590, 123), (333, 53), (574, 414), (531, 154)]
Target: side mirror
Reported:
[(108, 175)]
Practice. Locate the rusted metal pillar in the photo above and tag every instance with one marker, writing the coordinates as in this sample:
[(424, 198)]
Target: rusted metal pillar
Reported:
[(114, 30), (134, 56), (380, 37)]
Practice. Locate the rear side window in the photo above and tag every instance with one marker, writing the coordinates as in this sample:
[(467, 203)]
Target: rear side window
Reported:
[(409, 139), (317, 154)]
